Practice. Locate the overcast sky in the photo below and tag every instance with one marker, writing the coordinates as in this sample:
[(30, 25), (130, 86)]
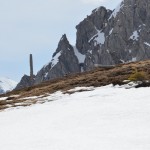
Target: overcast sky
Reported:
[(36, 26)]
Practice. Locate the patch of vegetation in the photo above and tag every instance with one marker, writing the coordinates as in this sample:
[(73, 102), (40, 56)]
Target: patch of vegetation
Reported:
[(138, 76)]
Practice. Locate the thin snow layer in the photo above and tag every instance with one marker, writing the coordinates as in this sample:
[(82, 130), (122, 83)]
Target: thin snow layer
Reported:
[(134, 36), (147, 44), (81, 88), (110, 32), (3, 98), (80, 56), (53, 62), (115, 12), (108, 118), (99, 38), (46, 74), (134, 59), (7, 84), (55, 59)]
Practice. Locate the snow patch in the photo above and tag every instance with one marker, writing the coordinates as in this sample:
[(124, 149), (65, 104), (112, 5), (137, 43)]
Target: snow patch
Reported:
[(122, 60), (134, 36), (115, 12), (147, 44), (55, 59), (80, 56), (108, 51), (107, 118), (90, 51), (3, 98), (134, 59), (46, 74), (81, 88), (99, 38), (110, 32), (53, 62), (32, 97)]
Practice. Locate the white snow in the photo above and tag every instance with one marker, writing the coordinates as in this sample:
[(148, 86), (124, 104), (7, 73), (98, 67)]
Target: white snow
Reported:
[(147, 44), (80, 56), (32, 97), (7, 84), (130, 51), (3, 98), (81, 88), (99, 38), (134, 59), (110, 32), (90, 51), (55, 59), (108, 118), (82, 69), (115, 12), (46, 74), (122, 60), (134, 36), (108, 51)]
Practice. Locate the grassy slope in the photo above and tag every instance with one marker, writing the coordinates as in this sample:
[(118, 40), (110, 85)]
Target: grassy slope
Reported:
[(96, 77)]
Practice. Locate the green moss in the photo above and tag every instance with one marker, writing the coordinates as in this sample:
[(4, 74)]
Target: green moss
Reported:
[(137, 76)]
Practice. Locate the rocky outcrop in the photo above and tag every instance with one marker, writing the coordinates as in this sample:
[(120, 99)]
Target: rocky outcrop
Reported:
[(123, 37), (64, 61), (89, 28), (24, 82), (105, 38)]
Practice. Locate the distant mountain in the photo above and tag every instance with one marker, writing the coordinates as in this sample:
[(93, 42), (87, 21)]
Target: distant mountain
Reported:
[(105, 37), (6, 84)]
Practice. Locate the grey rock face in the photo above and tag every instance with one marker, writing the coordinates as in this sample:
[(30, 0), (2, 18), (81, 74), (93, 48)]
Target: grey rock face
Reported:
[(64, 61), (25, 82), (89, 27), (125, 36)]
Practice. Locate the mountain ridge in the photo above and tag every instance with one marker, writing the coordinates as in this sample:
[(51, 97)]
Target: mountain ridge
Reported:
[(106, 38)]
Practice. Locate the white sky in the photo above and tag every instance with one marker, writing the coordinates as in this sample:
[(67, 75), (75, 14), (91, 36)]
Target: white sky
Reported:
[(35, 27)]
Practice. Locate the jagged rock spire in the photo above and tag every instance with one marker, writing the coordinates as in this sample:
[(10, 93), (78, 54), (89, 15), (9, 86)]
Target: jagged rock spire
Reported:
[(31, 68), (64, 61)]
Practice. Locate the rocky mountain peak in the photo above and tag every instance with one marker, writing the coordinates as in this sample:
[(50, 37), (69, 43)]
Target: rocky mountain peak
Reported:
[(64, 61), (24, 82), (63, 41), (91, 26), (104, 37), (64, 38), (63, 45)]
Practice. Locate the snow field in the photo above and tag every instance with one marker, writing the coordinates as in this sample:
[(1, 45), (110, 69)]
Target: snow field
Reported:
[(107, 118)]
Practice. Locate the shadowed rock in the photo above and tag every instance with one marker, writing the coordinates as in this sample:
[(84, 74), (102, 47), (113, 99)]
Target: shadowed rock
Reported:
[(25, 82)]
